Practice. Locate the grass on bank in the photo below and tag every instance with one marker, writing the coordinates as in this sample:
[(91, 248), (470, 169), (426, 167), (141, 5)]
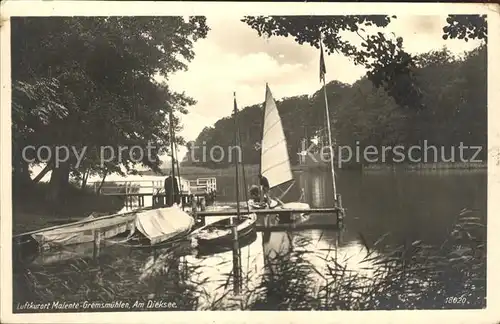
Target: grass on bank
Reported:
[(32, 210)]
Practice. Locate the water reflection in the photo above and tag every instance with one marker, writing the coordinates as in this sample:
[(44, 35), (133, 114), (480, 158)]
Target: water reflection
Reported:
[(318, 184), (80, 251), (331, 245), (216, 271)]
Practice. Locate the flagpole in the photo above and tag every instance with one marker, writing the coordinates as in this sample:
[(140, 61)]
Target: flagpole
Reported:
[(322, 72)]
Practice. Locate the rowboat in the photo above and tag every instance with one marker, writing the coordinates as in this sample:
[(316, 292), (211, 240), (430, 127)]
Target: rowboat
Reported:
[(219, 234), (206, 249), (83, 231)]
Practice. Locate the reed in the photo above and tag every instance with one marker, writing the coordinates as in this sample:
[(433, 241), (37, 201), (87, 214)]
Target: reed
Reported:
[(410, 276)]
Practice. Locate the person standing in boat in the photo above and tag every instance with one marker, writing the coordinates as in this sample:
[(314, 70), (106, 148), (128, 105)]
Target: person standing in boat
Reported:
[(256, 198), (171, 190), (264, 184)]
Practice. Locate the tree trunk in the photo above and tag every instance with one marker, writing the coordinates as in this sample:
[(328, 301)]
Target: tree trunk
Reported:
[(102, 182), (42, 173), (84, 180), (22, 173), (20, 169), (59, 181)]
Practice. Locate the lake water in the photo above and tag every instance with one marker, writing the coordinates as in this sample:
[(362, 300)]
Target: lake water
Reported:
[(283, 269)]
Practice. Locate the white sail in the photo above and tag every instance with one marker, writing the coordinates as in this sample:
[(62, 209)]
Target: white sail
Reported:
[(274, 159)]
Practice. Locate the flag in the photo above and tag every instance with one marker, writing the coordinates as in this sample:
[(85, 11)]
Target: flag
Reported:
[(235, 108), (322, 67)]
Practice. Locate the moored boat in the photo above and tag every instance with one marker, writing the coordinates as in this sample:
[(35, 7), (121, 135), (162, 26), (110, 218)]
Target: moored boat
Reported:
[(210, 249), (83, 231), (220, 233), (160, 226)]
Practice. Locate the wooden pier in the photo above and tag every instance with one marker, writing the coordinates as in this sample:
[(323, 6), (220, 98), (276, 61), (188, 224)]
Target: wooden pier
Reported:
[(334, 210), (134, 191), (285, 214), (295, 227)]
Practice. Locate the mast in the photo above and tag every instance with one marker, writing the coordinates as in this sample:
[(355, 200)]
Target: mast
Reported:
[(235, 110), (322, 76), (242, 163), (330, 143), (172, 139), (179, 183)]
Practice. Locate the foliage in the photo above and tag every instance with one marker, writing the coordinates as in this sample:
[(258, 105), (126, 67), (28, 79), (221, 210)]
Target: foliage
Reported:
[(388, 65), (93, 82), (465, 27), (453, 91), (34, 213)]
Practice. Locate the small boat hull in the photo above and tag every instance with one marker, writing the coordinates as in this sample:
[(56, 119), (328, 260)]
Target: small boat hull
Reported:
[(283, 217), (220, 233), (139, 241), (84, 231), (208, 249), (259, 205)]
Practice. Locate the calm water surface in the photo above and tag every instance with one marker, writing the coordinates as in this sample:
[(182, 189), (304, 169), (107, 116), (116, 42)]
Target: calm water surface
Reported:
[(402, 206)]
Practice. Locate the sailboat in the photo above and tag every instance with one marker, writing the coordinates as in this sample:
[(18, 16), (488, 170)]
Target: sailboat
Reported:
[(220, 233), (275, 161)]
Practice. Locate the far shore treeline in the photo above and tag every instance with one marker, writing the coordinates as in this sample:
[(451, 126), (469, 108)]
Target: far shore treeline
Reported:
[(454, 111)]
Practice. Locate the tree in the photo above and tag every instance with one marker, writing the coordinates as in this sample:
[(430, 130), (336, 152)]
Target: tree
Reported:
[(90, 82), (454, 94), (389, 66)]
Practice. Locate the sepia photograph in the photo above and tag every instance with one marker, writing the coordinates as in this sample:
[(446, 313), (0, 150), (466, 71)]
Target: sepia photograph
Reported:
[(246, 160)]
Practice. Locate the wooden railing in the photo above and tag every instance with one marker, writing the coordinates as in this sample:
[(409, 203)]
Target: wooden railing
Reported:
[(208, 185), (198, 186), (126, 187)]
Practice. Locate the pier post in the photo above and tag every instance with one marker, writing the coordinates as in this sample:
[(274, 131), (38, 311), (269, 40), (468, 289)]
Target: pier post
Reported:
[(340, 209), (193, 204), (183, 201), (236, 259), (194, 210), (97, 243), (203, 203)]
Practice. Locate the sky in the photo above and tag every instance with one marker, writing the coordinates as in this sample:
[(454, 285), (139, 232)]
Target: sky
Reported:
[(233, 58)]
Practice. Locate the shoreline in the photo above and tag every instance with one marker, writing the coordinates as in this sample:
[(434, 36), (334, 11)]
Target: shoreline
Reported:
[(252, 169), (426, 166)]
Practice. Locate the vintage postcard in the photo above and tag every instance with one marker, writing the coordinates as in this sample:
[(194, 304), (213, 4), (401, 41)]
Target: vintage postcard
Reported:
[(162, 159)]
